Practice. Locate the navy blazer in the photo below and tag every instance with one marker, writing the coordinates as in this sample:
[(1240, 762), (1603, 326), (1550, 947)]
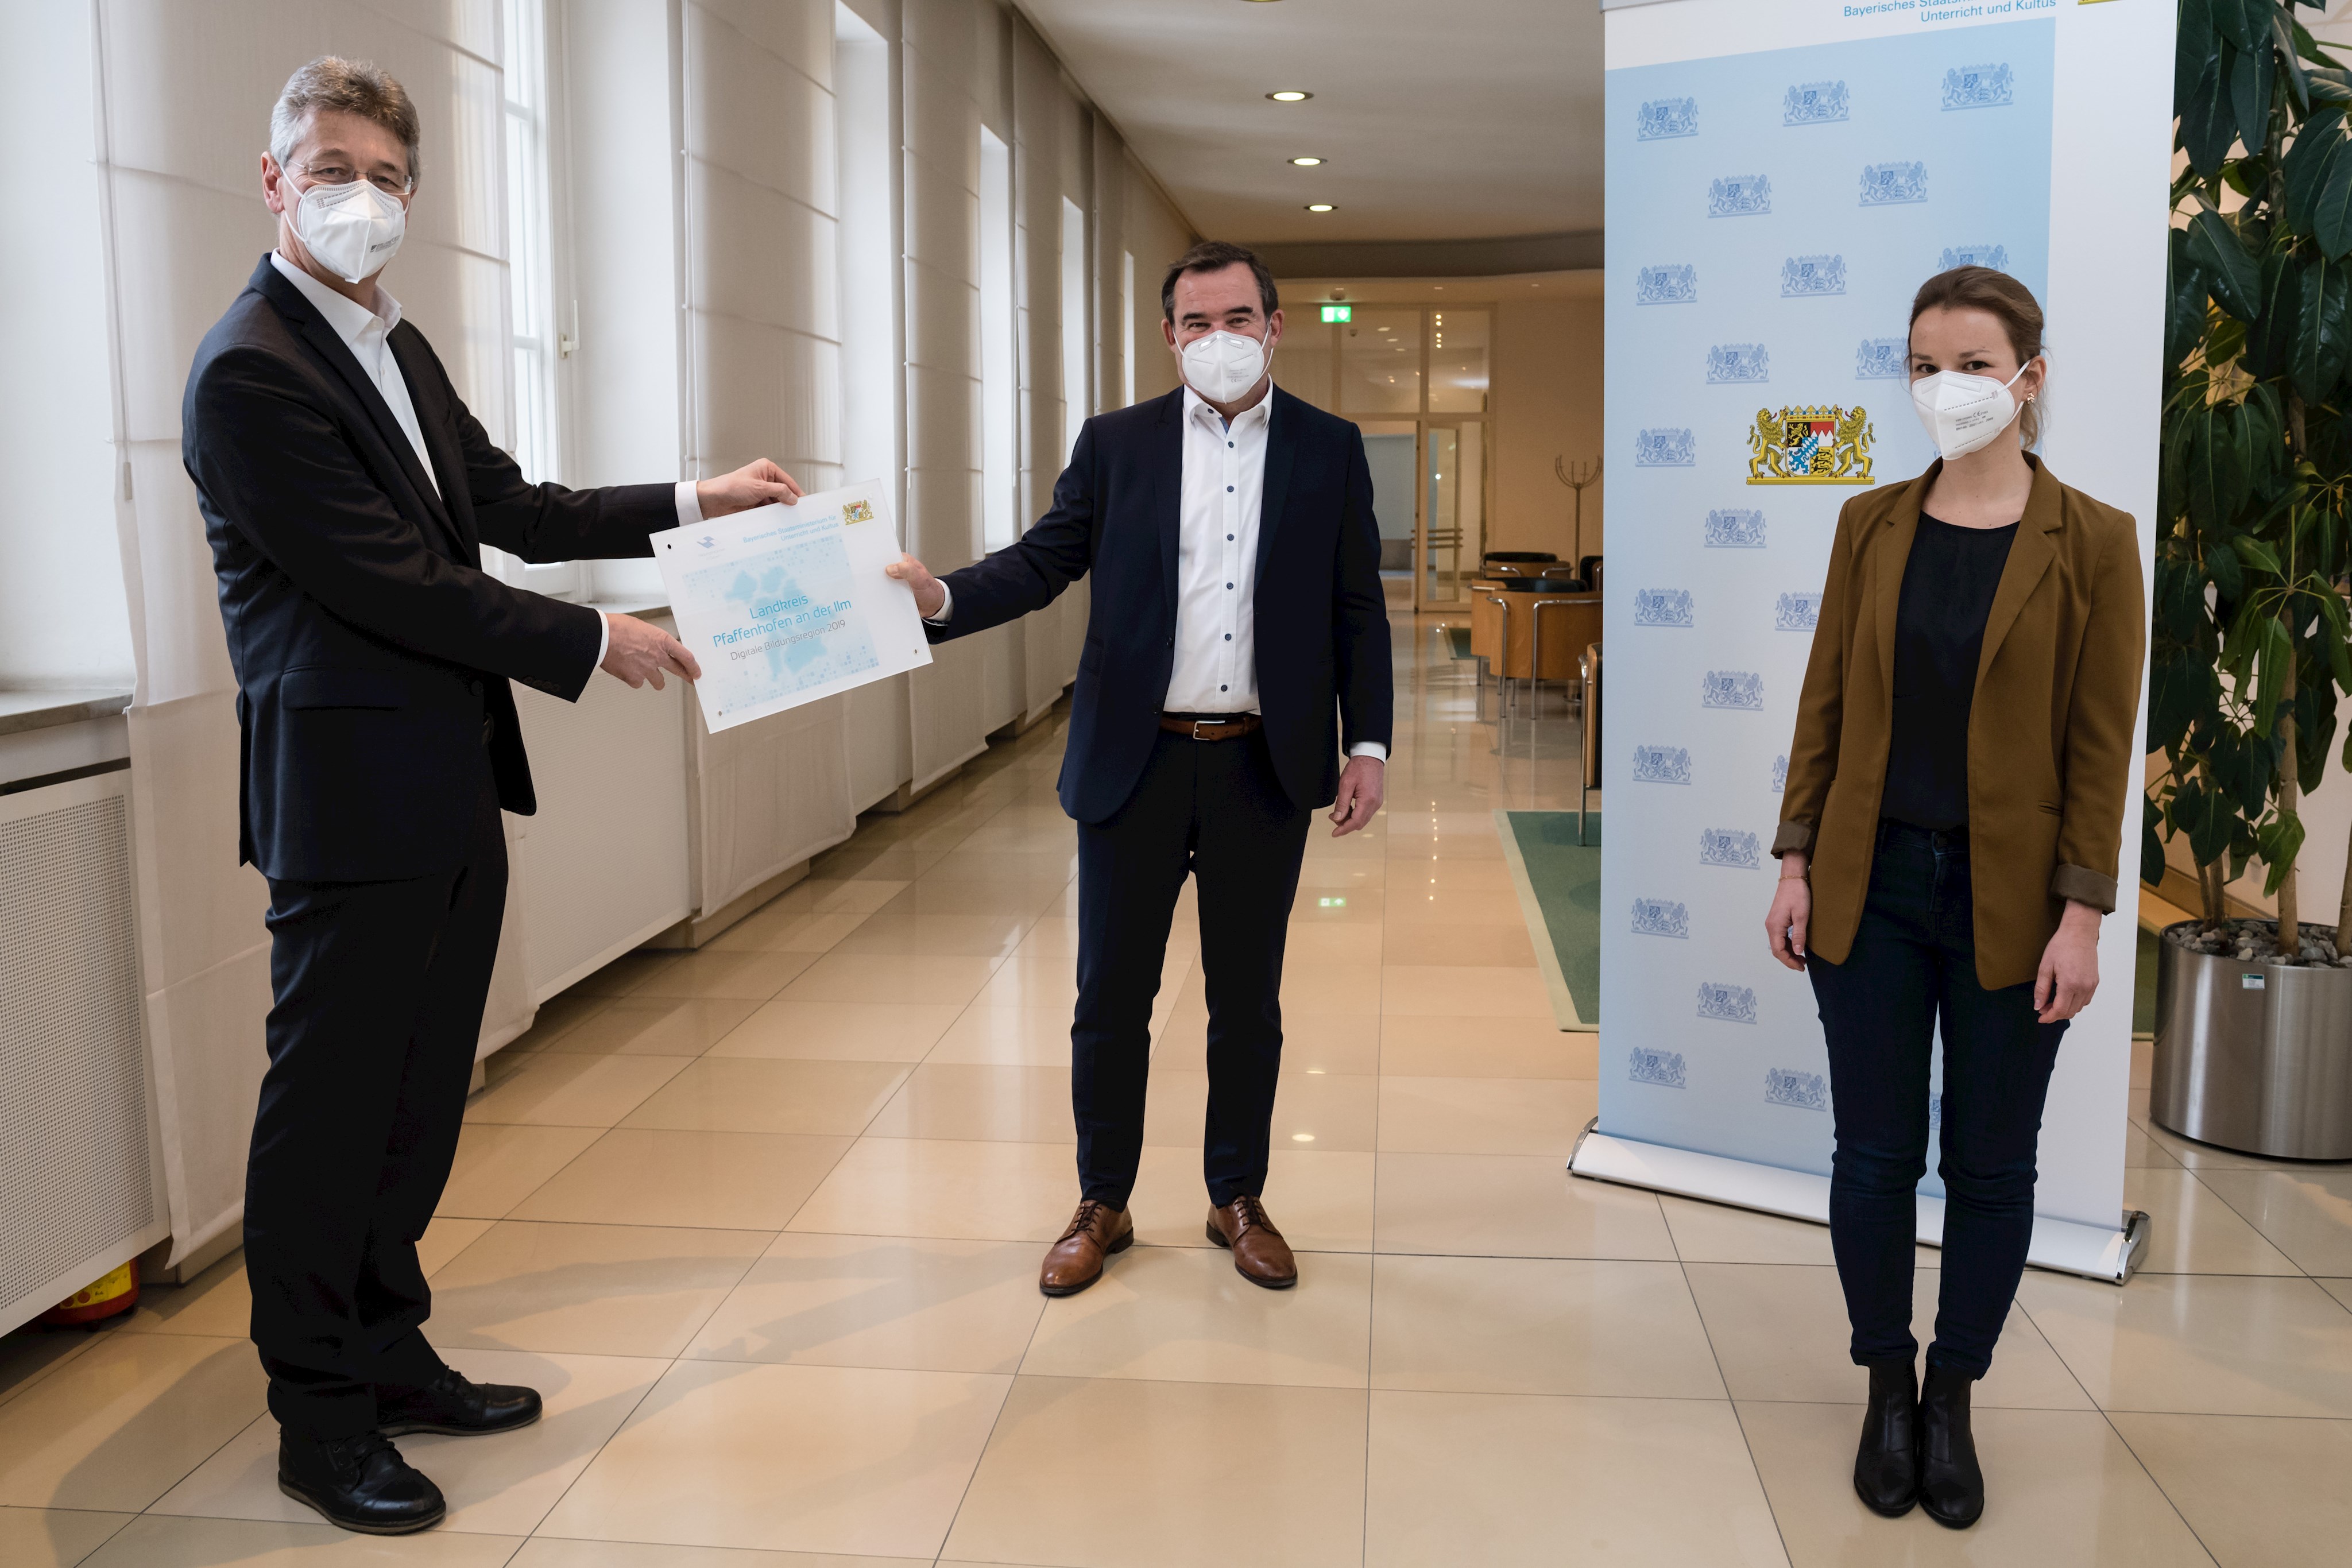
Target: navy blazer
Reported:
[(371, 652), (1322, 625)]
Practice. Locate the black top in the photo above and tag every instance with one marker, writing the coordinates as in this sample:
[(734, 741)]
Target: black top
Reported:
[(1940, 627)]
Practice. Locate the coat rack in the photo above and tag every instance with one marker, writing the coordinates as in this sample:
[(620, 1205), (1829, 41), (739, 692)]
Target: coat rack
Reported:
[(1576, 476)]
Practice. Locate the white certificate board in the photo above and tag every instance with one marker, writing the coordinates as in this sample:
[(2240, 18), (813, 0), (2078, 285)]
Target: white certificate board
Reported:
[(783, 605)]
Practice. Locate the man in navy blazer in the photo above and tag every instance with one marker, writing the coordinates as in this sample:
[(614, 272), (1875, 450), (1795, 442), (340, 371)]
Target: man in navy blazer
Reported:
[(347, 493), (1236, 644)]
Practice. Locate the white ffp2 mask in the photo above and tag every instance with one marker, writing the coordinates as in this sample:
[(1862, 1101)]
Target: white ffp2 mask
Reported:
[(351, 230), (1222, 366), (1963, 412)]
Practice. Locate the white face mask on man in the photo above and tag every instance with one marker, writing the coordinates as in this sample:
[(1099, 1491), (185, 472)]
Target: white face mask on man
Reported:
[(1222, 366), (1963, 412), (352, 230)]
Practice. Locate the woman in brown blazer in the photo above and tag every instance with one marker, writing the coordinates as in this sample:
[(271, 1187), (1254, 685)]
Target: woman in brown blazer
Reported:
[(1948, 845)]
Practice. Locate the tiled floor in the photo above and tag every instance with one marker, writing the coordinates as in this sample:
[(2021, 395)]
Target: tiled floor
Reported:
[(764, 1222)]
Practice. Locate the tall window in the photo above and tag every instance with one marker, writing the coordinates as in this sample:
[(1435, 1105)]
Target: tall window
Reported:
[(1127, 327), (1075, 336), (530, 272), (1000, 460)]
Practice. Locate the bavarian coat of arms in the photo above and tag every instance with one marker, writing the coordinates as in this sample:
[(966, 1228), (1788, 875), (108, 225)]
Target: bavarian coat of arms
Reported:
[(1822, 445)]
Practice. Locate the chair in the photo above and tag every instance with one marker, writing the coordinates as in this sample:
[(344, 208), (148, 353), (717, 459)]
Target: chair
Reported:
[(1589, 765), (1576, 623), (1589, 568), (1523, 629)]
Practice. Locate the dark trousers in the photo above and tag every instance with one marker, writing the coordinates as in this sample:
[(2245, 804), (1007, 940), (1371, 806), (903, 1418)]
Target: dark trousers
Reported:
[(1214, 809), (1913, 964), (379, 988)]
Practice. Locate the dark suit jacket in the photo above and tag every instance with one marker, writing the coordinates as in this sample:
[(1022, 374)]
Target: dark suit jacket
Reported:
[(2049, 730), (1322, 624), (370, 647)]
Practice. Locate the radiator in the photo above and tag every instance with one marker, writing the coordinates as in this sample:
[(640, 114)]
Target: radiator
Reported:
[(78, 1177)]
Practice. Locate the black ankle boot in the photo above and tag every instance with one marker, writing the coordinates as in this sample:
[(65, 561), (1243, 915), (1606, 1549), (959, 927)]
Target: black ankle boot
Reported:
[(1951, 1486), (361, 1483), (1886, 1468)]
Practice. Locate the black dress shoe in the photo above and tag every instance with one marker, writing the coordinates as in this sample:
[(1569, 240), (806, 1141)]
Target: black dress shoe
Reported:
[(361, 1483), (1886, 1468), (1951, 1486), (454, 1407)]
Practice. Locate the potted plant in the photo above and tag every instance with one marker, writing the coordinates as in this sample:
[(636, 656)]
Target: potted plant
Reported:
[(2252, 639)]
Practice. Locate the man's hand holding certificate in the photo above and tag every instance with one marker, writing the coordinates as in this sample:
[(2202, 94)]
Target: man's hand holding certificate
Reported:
[(783, 605)]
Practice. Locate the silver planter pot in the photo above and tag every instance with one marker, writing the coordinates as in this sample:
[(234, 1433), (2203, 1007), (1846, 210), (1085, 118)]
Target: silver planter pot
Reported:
[(2253, 1056)]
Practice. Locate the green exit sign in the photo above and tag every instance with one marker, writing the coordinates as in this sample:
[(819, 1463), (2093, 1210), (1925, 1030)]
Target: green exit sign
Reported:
[(1338, 313)]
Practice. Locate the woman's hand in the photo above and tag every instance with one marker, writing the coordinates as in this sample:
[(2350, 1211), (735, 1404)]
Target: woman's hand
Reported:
[(1791, 911), (2069, 975)]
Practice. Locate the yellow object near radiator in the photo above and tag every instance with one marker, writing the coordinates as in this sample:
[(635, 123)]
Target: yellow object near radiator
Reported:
[(114, 1293)]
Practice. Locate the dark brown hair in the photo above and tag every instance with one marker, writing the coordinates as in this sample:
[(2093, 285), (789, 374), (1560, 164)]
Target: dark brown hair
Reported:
[(1215, 256), (2003, 297)]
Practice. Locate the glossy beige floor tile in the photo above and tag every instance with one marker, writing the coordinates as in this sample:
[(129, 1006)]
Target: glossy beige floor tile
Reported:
[(1312, 942), (1130, 1473), (1538, 1325), (1313, 1113), (977, 1190), (589, 1290), (30, 1354), (444, 1239), (797, 931), (1024, 897), (980, 1102), (1512, 1480), (1512, 1206), (2060, 1488), (1718, 1233), (879, 1301), (158, 1542), (551, 1089), (1037, 982), (2265, 1492), (2139, 1149), (1484, 1115), (729, 1181), (1337, 897), (749, 976), (501, 1488), (1437, 1047), (1320, 1202), (653, 1026), (216, 1303), (546, 1551), (2216, 1345), (2307, 1215), (749, 1094), (796, 1028), (1310, 1044), (1463, 990), (1483, 946), (1006, 1037), (562, 1011), (1183, 1314), (901, 928), (1780, 1332), (805, 1459), (52, 1538), (2193, 1231), (821, 895), (498, 1166), (935, 978), (113, 1429)]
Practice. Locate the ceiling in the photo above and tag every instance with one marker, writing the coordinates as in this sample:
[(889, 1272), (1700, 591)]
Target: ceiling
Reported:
[(1465, 119)]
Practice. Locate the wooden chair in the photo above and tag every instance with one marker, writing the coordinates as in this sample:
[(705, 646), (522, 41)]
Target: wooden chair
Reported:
[(1589, 762)]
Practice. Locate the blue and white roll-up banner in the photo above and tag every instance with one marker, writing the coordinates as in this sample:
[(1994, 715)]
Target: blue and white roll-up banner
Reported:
[(1783, 176)]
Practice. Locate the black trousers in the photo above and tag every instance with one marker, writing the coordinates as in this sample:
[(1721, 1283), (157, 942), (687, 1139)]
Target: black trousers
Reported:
[(1214, 809), (378, 991), (1913, 964)]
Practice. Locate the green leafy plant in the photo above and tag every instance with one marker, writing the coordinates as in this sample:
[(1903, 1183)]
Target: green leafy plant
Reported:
[(2250, 641)]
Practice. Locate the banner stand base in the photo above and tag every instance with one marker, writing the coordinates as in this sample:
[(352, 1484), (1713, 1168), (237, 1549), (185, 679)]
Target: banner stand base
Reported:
[(2064, 1246)]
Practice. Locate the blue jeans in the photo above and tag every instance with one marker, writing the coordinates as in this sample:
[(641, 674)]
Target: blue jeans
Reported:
[(1913, 964)]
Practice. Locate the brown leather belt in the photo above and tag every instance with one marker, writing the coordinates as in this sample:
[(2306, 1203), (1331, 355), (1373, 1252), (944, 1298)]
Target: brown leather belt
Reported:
[(1213, 726)]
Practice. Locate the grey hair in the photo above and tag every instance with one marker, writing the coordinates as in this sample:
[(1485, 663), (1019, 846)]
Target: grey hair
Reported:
[(354, 87)]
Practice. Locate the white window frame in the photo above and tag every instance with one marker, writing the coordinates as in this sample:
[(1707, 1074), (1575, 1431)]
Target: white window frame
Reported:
[(1075, 337), (1126, 328), (999, 522)]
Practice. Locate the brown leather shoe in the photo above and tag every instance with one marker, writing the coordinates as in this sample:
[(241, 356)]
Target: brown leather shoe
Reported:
[(1260, 1254), (1075, 1261)]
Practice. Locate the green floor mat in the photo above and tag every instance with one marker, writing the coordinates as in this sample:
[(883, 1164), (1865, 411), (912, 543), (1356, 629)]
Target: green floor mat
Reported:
[(1559, 882), (1457, 638)]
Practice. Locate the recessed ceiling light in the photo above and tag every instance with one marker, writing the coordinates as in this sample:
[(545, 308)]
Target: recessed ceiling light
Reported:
[(1319, 207), (1290, 95), (1308, 163)]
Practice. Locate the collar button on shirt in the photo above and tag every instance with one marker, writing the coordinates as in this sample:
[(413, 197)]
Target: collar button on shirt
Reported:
[(1216, 668)]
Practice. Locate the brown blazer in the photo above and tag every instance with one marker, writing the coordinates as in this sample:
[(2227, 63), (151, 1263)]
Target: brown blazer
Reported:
[(2050, 732)]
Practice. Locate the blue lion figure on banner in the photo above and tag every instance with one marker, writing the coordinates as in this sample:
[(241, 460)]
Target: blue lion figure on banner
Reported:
[(1662, 1068), (1977, 87), (1666, 117), (1739, 196), (1674, 285), (1729, 847), (1805, 1090), (1661, 917), (1813, 103), (1662, 607), (1734, 527), (1728, 1004), (1665, 449), (1732, 688), (1662, 765), (1888, 184)]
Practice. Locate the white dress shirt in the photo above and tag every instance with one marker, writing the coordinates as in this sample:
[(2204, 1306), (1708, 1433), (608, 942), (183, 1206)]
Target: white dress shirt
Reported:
[(1216, 669), (363, 333)]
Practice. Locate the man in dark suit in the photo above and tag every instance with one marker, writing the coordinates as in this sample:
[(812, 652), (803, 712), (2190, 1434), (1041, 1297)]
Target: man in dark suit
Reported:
[(1238, 641), (347, 493)]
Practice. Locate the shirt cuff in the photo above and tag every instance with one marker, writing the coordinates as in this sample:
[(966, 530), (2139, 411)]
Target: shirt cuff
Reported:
[(947, 606), (604, 640), (689, 505), (1372, 749)]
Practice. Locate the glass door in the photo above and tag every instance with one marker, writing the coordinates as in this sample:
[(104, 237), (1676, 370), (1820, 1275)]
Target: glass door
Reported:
[(1452, 522)]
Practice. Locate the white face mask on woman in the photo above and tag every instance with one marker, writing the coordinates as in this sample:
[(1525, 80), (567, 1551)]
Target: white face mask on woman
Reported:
[(1222, 366), (1961, 411), (353, 230)]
